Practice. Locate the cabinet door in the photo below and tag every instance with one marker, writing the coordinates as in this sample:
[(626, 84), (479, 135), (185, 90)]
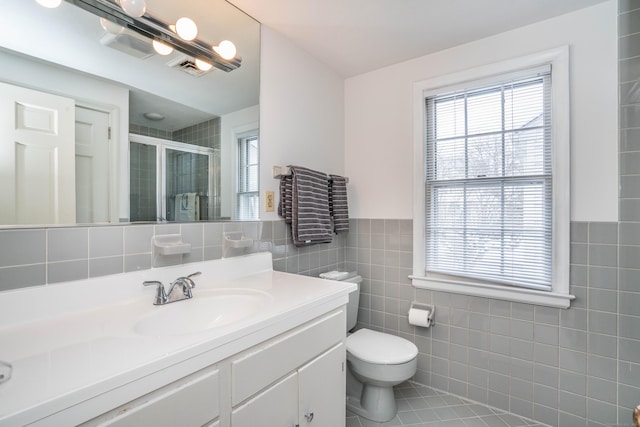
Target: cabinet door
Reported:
[(322, 389), (277, 406)]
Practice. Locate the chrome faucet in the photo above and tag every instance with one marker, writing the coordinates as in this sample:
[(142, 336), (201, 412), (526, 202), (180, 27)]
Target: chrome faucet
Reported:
[(163, 297)]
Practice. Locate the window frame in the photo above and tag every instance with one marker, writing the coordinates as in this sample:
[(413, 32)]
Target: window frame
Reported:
[(242, 140), (559, 295)]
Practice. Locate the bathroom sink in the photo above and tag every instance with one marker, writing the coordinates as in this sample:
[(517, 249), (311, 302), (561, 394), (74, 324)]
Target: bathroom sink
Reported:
[(207, 309)]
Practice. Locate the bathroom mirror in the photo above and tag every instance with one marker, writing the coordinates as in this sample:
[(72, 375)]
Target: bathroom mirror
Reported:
[(157, 112)]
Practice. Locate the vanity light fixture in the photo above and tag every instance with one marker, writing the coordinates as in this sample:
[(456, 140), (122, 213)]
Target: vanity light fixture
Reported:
[(202, 65), (159, 31), (111, 27), (161, 48), (51, 4), (226, 49), (186, 29), (134, 8)]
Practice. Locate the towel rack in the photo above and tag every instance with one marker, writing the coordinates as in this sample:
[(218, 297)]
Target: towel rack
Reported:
[(280, 171)]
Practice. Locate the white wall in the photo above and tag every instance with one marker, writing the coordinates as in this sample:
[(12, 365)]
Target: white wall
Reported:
[(301, 113), (378, 114)]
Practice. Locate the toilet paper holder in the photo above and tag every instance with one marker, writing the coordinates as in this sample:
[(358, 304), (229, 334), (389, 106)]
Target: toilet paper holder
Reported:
[(430, 315)]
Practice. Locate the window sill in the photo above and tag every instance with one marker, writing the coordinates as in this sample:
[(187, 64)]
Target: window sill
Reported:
[(522, 295)]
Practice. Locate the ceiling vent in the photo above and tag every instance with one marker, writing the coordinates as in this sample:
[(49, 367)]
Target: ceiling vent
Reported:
[(187, 65), (128, 43)]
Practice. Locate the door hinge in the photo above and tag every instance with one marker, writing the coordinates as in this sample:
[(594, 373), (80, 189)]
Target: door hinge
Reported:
[(342, 366), (109, 133)]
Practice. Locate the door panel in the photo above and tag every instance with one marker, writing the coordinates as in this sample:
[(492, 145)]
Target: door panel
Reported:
[(92, 165), (37, 157)]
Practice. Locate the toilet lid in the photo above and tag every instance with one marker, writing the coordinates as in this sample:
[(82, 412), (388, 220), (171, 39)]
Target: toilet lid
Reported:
[(380, 348)]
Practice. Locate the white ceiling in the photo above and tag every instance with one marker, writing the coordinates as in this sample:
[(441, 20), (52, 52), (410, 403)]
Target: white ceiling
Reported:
[(350, 36), (357, 36)]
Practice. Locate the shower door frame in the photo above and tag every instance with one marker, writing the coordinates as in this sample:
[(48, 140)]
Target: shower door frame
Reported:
[(162, 145)]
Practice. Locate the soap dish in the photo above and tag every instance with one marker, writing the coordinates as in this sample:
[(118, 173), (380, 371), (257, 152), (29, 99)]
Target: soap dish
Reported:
[(170, 244), (238, 242), (236, 239)]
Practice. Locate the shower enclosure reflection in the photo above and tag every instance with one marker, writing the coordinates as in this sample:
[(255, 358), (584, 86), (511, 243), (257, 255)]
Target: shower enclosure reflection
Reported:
[(174, 181), (187, 177)]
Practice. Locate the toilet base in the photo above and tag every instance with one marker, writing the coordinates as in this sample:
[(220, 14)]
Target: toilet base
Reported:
[(370, 380), (369, 401)]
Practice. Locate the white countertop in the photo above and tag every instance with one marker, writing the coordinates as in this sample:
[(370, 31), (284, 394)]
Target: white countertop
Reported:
[(73, 342)]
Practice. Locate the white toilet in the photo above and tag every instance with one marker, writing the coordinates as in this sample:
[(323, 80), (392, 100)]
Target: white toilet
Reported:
[(376, 362)]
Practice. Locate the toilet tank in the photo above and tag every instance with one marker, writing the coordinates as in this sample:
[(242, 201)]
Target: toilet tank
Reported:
[(354, 297), (354, 302)]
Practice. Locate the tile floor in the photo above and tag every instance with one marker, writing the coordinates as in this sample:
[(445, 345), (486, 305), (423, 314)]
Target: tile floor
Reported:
[(420, 406)]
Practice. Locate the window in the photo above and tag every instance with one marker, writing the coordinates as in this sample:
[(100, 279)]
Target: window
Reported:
[(248, 197), (494, 184)]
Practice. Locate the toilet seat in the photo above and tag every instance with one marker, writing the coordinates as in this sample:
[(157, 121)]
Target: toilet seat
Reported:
[(380, 348)]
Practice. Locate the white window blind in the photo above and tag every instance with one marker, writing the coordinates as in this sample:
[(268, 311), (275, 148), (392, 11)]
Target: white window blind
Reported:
[(248, 197), (489, 181)]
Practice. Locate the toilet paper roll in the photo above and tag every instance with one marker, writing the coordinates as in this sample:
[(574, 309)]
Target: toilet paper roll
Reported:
[(419, 317)]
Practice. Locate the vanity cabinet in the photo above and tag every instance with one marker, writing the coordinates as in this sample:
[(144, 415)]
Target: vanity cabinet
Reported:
[(190, 401), (97, 352), (294, 379), (313, 395)]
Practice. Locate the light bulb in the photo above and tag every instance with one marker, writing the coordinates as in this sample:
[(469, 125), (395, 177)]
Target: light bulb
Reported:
[(202, 65), (226, 49), (111, 27), (134, 8), (49, 3), (161, 48), (186, 28), (156, 117)]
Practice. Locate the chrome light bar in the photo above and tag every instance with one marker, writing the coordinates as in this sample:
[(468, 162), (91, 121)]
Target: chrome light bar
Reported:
[(155, 29)]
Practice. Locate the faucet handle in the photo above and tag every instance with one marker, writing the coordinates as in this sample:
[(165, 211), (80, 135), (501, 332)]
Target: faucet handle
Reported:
[(196, 274), (161, 296), (151, 282), (190, 283)]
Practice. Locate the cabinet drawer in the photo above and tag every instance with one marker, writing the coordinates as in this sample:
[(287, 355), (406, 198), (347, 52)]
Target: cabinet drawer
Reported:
[(266, 363), (190, 401), (277, 406)]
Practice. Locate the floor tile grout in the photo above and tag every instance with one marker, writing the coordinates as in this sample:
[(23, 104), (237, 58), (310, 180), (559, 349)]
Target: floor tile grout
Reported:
[(421, 406)]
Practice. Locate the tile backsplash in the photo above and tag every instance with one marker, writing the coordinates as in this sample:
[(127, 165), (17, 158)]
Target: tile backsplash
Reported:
[(32, 257)]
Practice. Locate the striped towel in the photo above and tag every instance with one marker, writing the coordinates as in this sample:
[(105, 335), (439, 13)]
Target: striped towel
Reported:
[(338, 205), (286, 198), (304, 198)]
